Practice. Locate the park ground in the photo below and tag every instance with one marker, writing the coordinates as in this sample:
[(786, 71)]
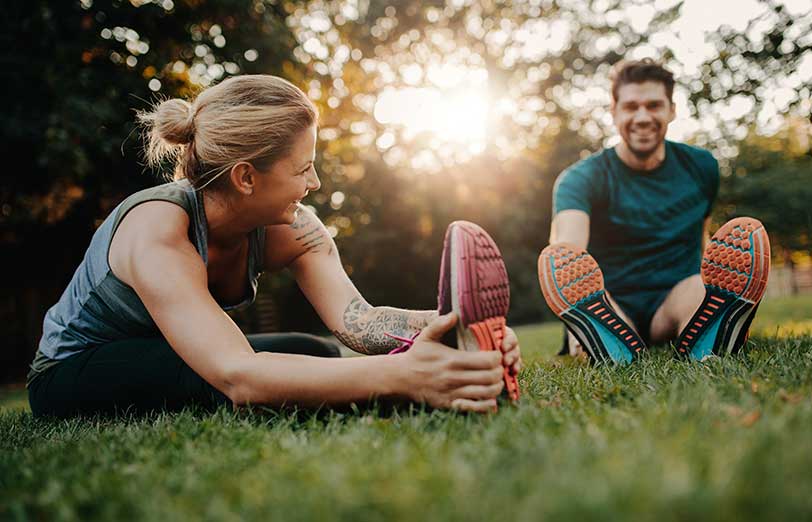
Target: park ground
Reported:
[(661, 439)]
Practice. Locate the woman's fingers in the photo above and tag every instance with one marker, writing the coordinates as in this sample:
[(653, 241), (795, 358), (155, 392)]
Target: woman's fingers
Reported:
[(510, 341), (435, 330), (479, 391), (486, 406), (482, 377), (510, 347), (477, 360), (513, 360), (516, 367)]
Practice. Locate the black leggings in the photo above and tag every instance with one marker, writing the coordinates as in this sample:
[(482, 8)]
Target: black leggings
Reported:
[(137, 376)]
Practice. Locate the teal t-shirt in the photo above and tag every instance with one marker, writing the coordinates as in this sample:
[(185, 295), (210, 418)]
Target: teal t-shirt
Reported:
[(645, 226)]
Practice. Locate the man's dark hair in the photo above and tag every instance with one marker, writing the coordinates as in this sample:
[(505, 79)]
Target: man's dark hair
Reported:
[(639, 71)]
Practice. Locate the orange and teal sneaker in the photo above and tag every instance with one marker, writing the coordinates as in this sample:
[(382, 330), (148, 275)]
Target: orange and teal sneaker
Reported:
[(474, 284), (572, 284), (735, 269)]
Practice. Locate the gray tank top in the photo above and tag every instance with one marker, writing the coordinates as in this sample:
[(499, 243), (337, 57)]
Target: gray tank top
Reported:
[(98, 308)]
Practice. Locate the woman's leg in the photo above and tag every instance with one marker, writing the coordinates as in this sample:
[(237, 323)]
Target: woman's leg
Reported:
[(130, 376), (297, 343), (142, 375)]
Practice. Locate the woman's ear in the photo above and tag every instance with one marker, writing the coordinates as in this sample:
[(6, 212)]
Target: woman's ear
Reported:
[(243, 177)]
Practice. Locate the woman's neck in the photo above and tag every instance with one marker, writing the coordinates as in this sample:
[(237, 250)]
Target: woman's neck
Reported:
[(227, 227)]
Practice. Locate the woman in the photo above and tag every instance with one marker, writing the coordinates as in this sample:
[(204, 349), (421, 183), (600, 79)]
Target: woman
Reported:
[(142, 326)]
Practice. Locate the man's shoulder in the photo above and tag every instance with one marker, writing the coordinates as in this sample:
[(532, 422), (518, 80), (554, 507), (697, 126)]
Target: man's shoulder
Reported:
[(588, 166), (696, 155)]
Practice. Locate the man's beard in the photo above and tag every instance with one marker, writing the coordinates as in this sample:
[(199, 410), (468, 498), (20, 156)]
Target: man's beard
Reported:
[(643, 155)]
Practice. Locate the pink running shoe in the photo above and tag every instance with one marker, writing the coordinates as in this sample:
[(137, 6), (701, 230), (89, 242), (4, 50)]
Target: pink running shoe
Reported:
[(474, 283)]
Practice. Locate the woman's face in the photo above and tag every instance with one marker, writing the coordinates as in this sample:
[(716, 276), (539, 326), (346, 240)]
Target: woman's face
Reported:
[(281, 189)]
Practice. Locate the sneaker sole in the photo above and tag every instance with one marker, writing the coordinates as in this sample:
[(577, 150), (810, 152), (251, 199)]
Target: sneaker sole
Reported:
[(480, 292), (572, 284), (735, 269)]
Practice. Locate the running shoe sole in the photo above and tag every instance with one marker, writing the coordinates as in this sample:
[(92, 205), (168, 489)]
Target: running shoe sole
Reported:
[(474, 283), (572, 284), (735, 269)]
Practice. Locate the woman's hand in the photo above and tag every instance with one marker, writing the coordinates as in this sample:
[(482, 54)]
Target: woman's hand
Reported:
[(446, 378), (512, 358)]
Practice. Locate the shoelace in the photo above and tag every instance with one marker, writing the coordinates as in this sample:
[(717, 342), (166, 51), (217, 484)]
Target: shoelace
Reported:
[(406, 343)]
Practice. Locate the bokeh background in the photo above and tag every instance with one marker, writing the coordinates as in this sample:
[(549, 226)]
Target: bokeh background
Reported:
[(431, 111)]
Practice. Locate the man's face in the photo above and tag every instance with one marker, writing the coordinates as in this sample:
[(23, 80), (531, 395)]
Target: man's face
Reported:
[(641, 114)]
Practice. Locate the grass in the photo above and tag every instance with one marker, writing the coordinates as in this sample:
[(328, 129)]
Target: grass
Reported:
[(661, 439)]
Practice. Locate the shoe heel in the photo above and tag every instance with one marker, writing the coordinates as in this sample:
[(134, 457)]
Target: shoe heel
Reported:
[(490, 335)]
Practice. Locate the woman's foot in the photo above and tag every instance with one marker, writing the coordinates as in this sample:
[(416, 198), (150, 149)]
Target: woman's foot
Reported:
[(474, 284)]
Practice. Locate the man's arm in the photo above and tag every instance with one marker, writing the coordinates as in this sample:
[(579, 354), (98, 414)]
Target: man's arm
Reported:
[(705, 232), (570, 226), (572, 205)]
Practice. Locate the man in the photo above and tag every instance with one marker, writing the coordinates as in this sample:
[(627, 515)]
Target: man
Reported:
[(642, 210)]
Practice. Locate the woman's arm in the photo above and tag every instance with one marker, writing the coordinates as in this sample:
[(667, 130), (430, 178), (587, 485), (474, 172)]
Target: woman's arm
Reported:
[(307, 248), (365, 327), (151, 253)]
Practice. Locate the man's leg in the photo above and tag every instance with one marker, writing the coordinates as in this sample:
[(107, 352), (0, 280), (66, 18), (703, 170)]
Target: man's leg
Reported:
[(676, 311)]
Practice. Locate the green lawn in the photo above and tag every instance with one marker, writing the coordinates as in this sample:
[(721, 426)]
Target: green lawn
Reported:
[(661, 439)]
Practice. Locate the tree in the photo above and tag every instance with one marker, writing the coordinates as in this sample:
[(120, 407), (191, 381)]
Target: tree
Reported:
[(769, 180), (73, 73)]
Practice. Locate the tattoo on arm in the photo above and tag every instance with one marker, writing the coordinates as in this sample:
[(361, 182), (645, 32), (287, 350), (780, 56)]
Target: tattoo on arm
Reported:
[(310, 235), (365, 327)]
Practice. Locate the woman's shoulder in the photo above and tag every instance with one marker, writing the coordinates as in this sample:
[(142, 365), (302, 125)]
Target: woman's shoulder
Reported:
[(178, 193), (286, 243), (163, 208), (147, 230), (155, 220)]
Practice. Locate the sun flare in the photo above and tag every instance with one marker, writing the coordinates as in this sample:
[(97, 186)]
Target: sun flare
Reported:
[(458, 116)]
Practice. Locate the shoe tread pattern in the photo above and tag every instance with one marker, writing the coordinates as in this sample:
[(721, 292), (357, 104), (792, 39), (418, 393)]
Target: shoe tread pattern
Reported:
[(484, 290), (572, 284), (735, 269)]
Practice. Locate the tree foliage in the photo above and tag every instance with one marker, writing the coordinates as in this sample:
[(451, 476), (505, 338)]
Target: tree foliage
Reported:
[(75, 72), (770, 180)]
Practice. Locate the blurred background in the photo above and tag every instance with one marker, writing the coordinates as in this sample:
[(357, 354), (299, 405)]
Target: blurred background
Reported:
[(431, 111)]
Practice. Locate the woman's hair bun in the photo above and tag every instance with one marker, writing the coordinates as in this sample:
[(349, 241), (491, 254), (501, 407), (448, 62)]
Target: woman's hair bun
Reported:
[(174, 122)]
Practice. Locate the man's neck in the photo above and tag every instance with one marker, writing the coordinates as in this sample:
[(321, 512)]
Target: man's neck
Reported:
[(644, 163)]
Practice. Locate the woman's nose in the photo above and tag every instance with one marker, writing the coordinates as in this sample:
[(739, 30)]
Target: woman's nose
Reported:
[(313, 182)]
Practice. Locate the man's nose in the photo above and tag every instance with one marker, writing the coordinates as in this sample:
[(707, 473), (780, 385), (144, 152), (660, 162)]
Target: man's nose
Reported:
[(642, 116)]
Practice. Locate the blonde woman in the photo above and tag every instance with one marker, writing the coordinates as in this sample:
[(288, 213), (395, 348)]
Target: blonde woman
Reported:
[(142, 324)]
